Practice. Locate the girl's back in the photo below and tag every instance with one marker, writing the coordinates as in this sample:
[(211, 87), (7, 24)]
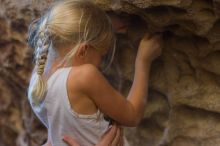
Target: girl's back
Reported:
[(58, 115)]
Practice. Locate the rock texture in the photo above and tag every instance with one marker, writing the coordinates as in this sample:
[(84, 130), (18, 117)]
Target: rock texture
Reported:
[(183, 104)]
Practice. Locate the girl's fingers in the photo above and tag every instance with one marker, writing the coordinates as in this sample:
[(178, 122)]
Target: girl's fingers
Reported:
[(70, 141), (121, 142), (108, 137), (116, 139)]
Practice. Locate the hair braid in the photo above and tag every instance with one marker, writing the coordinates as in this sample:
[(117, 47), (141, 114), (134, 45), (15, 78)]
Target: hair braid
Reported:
[(42, 51), (38, 88)]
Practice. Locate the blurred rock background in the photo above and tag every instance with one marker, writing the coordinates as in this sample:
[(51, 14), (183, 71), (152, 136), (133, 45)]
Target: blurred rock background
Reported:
[(184, 99)]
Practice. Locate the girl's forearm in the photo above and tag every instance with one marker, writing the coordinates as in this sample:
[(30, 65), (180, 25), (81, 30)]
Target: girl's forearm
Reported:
[(138, 93)]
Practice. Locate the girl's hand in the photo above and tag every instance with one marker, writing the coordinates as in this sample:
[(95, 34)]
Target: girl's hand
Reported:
[(149, 48), (113, 137)]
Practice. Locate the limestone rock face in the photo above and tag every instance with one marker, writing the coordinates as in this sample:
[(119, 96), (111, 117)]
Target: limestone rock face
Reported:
[(183, 105)]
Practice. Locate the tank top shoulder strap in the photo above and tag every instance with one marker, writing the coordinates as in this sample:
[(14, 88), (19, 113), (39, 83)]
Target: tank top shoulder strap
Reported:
[(57, 83)]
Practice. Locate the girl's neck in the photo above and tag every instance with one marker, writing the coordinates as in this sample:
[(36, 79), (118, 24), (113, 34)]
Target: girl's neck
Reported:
[(54, 61)]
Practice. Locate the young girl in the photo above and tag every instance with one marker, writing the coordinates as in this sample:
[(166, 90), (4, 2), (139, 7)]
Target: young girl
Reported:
[(67, 91)]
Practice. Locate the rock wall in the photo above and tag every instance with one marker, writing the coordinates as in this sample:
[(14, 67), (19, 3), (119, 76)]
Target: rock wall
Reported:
[(183, 104)]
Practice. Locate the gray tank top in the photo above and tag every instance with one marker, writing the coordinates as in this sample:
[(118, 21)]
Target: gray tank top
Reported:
[(57, 115)]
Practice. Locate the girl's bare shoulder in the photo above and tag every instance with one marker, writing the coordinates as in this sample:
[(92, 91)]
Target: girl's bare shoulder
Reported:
[(82, 71), (83, 75)]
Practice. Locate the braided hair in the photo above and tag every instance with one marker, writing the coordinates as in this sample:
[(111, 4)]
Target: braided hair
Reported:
[(43, 42)]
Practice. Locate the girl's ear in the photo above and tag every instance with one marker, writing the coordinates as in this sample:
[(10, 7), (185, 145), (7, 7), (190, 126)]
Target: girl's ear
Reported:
[(82, 50)]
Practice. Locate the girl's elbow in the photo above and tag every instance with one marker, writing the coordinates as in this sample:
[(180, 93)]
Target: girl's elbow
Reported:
[(134, 122), (135, 117)]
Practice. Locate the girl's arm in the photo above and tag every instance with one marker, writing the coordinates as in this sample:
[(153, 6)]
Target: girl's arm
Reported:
[(126, 112)]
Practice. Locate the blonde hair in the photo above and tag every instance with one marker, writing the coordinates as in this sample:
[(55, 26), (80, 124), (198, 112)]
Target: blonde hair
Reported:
[(67, 22)]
